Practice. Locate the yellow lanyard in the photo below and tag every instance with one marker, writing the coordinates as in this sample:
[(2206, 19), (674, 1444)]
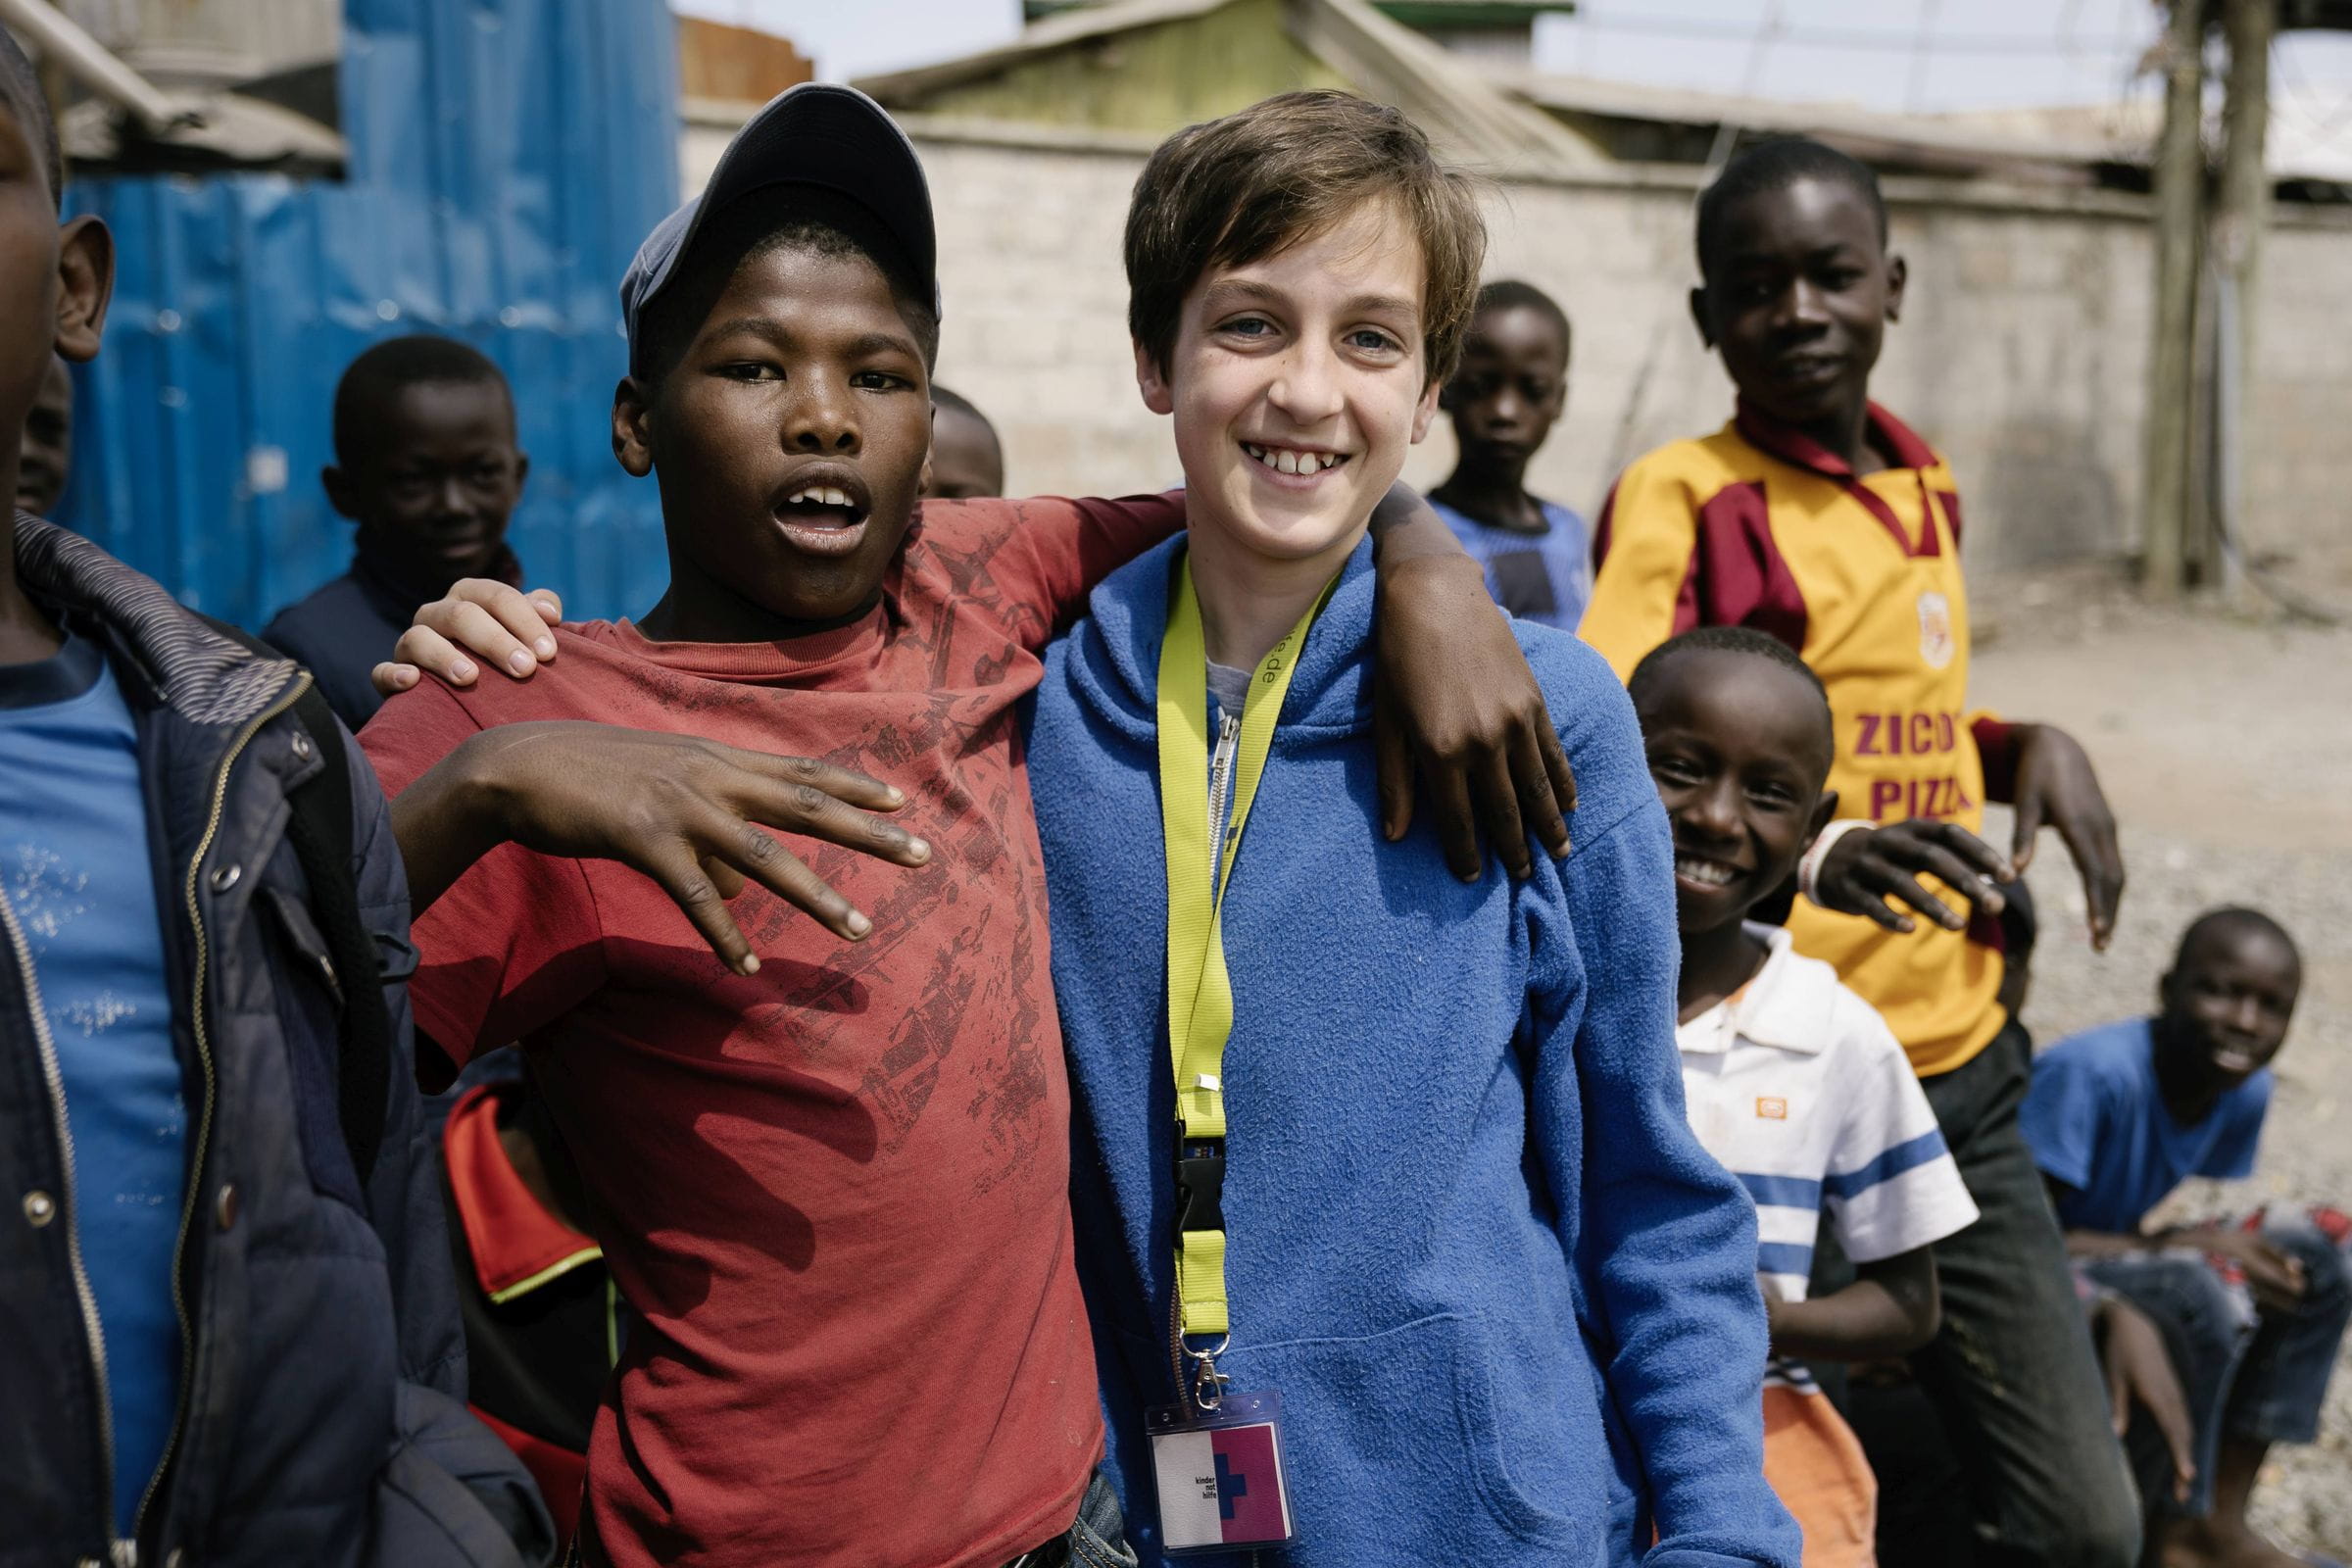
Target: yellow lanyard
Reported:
[(1200, 988)]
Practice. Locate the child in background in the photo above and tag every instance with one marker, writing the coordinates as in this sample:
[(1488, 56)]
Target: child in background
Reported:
[(1791, 1079), (2253, 1313), (1433, 1186), (829, 1167), (231, 1339), (1511, 387), (967, 459), (426, 464), (1819, 517), (48, 449)]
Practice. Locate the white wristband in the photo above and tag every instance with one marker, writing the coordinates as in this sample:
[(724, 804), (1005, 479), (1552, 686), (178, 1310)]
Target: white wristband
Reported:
[(1809, 868)]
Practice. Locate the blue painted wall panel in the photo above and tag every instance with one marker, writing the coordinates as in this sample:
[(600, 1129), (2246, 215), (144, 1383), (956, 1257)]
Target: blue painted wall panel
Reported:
[(507, 156)]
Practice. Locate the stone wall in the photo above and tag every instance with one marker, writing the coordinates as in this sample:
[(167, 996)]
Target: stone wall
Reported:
[(2021, 352)]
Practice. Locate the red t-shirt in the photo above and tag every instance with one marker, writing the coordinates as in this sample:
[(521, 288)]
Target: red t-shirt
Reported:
[(835, 1191)]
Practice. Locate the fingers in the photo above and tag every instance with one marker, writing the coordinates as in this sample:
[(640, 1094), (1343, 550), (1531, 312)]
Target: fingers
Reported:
[(1497, 797), (806, 809), (1541, 807), (679, 872), (524, 617), (1982, 857), (1392, 762), (486, 634), (427, 650), (2090, 839), (841, 783), (1962, 878), (1555, 763), (1456, 823), (760, 857), (2029, 829), (390, 679)]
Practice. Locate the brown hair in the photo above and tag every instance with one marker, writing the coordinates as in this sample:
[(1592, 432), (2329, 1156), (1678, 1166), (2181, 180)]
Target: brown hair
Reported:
[(1250, 185)]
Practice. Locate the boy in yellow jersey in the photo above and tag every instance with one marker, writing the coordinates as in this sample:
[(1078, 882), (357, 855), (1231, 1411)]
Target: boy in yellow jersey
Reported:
[(1818, 517)]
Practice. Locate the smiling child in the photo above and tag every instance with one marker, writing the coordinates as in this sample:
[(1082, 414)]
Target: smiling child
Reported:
[(1818, 517), (1792, 1080), (1401, 1153), (2254, 1312), (427, 467), (827, 1163)]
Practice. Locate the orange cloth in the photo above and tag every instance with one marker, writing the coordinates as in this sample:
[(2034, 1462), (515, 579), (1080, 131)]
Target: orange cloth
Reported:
[(1815, 1463), (1756, 525)]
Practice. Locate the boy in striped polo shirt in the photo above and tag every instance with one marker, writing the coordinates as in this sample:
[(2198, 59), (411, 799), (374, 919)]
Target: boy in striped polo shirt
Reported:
[(1817, 517), (1792, 1080)]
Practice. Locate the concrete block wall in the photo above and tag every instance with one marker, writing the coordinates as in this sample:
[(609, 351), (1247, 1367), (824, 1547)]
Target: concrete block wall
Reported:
[(2021, 351)]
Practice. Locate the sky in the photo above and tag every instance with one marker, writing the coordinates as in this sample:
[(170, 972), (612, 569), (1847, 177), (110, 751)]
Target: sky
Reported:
[(1888, 54)]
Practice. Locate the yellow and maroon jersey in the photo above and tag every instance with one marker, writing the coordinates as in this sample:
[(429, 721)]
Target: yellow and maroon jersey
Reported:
[(1757, 525)]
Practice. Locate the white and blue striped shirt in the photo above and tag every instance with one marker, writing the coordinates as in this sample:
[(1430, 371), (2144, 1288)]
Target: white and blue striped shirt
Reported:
[(1798, 1086)]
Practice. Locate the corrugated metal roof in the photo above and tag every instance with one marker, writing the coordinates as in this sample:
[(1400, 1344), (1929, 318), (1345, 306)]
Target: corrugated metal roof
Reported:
[(507, 158)]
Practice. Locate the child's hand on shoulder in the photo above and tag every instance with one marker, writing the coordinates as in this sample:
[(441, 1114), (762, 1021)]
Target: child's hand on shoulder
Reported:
[(504, 627)]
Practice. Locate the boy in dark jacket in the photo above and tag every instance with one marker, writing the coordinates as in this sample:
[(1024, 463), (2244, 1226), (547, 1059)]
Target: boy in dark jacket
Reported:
[(428, 466), (229, 1334)]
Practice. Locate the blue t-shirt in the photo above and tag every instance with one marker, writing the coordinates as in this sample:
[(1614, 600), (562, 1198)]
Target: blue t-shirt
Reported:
[(2097, 1122), (1544, 578), (75, 871)]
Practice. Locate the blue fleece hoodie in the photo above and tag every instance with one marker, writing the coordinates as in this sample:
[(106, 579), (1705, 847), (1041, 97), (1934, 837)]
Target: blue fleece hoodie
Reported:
[(1507, 1299)]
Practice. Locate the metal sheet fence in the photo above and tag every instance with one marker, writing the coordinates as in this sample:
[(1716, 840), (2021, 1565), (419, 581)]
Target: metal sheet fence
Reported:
[(506, 157)]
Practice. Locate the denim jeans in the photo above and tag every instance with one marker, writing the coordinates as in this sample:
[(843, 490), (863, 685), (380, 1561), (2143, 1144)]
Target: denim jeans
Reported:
[(2247, 1374), (2012, 1374), (1097, 1537)]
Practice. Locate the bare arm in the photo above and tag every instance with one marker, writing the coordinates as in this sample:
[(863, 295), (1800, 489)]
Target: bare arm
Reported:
[(1893, 1309)]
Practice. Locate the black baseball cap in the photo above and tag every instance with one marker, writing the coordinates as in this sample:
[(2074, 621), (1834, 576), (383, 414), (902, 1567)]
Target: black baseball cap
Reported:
[(818, 134)]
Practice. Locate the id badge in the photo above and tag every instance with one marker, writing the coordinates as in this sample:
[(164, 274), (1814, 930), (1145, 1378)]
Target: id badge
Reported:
[(1220, 1476)]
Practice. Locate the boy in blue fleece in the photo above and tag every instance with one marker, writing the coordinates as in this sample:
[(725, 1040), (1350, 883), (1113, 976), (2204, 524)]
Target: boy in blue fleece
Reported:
[(1438, 1194)]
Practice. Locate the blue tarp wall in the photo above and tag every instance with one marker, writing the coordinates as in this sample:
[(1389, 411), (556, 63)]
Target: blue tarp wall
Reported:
[(506, 157)]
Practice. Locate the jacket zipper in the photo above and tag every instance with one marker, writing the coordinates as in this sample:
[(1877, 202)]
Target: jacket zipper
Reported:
[(1220, 785), (204, 1120), (54, 1076)]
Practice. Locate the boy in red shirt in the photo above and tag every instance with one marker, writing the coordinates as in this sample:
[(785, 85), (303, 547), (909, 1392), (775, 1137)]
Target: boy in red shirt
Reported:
[(829, 1173)]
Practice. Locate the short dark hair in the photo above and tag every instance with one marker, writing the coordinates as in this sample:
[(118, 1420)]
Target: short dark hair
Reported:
[(396, 364), (20, 86), (810, 218), (2234, 917), (1650, 675), (1239, 189), (957, 401), (1510, 294), (1776, 165)]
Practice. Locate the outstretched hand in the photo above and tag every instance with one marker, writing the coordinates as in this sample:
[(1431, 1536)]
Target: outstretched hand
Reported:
[(1454, 693), (2057, 784), (689, 814), (504, 627), (1870, 872)]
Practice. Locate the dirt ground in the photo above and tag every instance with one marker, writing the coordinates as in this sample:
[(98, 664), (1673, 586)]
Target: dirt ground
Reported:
[(2224, 741)]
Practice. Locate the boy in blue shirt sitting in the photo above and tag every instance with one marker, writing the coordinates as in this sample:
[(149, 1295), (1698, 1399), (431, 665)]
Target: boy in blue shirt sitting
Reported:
[(2118, 1117), (1406, 1151), (1510, 389)]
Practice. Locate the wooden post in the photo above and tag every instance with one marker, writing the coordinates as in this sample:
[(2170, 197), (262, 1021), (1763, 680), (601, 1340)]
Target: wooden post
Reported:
[(2242, 212), (2179, 197)]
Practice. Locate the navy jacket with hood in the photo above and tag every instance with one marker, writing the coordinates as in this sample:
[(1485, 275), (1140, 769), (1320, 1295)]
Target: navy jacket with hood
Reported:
[(322, 1419)]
